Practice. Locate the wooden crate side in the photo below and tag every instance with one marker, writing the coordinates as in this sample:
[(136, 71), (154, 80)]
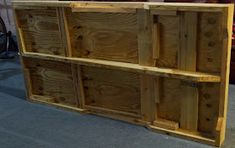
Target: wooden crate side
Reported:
[(130, 63), (208, 110), (52, 80), (108, 36), (39, 29)]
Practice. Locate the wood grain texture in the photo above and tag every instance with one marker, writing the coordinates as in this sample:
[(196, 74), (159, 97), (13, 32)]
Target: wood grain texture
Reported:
[(40, 31), (209, 43), (162, 65), (208, 106), (111, 89), (53, 80), (187, 61), (108, 36), (169, 39), (169, 106)]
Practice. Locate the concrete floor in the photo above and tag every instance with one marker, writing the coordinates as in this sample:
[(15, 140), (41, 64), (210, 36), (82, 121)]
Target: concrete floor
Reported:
[(28, 125)]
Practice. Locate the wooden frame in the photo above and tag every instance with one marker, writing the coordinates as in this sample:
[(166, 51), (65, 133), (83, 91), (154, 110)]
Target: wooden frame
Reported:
[(164, 66)]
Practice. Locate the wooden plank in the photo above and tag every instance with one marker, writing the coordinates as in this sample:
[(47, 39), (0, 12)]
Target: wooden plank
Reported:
[(162, 12), (80, 87), (148, 107), (155, 71), (102, 9), (40, 99), (106, 110), (145, 38), (75, 84), (143, 5), (183, 134), (187, 61), (225, 68)]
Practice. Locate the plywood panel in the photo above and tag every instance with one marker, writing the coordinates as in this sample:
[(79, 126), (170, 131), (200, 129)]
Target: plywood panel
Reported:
[(109, 36), (41, 31), (53, 80), (112, 89)]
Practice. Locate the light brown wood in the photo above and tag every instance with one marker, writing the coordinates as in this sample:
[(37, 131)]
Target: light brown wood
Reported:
[(155, 71), (161, 65), (187, 61)]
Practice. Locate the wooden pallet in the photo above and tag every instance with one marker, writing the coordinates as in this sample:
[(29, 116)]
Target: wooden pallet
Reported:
[(164, 66)]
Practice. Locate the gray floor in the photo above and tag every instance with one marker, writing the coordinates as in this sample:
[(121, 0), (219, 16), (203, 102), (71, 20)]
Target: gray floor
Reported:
[(28, 125)]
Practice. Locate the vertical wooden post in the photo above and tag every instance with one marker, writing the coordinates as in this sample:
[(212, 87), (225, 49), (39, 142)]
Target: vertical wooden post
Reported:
[(64, 31), (81, 94), (227, 21), (187, 61), (146, 58)]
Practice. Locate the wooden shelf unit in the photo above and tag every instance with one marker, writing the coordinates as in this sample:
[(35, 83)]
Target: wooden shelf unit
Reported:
[(161, 65)]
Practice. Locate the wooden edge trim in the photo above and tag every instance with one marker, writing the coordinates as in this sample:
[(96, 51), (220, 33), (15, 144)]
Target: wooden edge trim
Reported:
[(34, 98), (220, 128), (100, 109), (166, 124), (155, 71), (104, 10), (179, 133), (143, 5)]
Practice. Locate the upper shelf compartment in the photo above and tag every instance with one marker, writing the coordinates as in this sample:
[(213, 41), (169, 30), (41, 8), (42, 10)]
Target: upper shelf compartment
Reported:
[(187, 37)]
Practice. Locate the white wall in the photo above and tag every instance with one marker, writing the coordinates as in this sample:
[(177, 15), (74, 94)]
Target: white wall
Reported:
[(7, 15)]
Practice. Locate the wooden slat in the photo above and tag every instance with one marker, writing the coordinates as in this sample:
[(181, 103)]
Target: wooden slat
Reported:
[(148, 108), (75, 83), (103, 9), (155, 71), (187, 61), (40, 99), (80, 87), (163, 12), (225, 68), (146, 5), (183, 134)]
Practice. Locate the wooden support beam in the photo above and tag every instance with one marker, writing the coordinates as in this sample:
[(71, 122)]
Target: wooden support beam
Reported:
[(145, 51), (81, 94), (155, 71), (187, 61), (227, 21)]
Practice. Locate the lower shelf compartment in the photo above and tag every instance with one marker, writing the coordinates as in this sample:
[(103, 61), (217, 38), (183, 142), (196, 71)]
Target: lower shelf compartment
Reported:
[(172, 105), (194, 136)]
